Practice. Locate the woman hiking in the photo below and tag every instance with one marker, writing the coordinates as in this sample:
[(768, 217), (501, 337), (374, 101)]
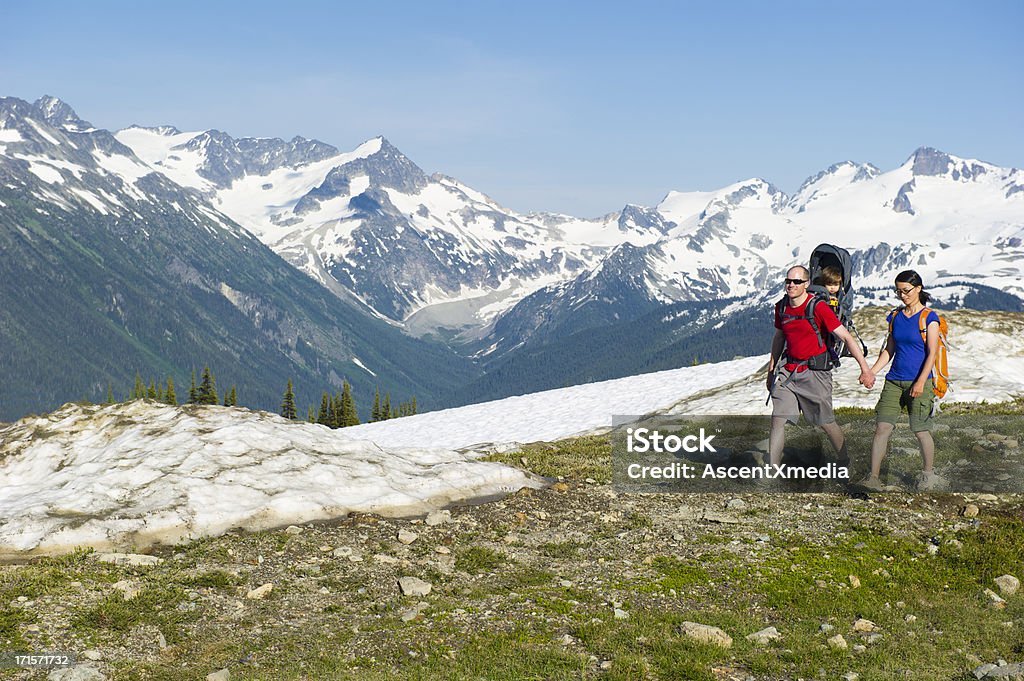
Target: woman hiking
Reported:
[(909, 382)]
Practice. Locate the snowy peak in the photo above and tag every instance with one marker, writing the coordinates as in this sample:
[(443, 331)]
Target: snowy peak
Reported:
[(833, 179), (58, 114), (162, 130), (379, 165), (226, 159)]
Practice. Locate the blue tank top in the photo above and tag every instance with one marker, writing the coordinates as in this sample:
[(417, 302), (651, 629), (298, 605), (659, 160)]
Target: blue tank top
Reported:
[(910, 347)]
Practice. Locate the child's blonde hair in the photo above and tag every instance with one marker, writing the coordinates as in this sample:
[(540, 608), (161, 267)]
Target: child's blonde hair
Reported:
[(829, 276)]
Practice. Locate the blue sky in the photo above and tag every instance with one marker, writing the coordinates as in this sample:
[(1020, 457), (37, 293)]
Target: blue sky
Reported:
[(558, 106)]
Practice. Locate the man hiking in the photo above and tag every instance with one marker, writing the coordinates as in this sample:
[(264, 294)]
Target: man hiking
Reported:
[(803, 382)]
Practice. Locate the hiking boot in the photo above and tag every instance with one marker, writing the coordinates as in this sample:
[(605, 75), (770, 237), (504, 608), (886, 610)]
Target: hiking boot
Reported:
[(870, 484), (931, 482)]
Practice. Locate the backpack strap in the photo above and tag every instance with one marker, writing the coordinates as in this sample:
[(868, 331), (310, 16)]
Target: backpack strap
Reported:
[(808, 315)]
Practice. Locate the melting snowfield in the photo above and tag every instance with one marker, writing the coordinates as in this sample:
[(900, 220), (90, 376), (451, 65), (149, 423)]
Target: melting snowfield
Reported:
[(137, 474)]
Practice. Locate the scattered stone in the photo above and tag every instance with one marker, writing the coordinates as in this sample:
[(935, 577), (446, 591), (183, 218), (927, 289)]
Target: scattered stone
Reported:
[(409, 614), (260, 592), (997, 601), (621, 614), (560, 487), (443, 550), (93, 655), (837, 642), (703, 633), (324, 548), (567, 640), (910, 619), (851, 676), (825, 628), (859, 648), (606, 665), (385, 559), (765, 636), (1008, 584), (130, 559), (932, 549), (987, 497), (222, 675), (293, 530), (1002, 670), (854, 581), (414, 586), (342, 552), (438, 518), (982, 671), (736, 505), (864, 625), (407, 537), (1011, 444), (161, 641), (81, 672), (873, 638)]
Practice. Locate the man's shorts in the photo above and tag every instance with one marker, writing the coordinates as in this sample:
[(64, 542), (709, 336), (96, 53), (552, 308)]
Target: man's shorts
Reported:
[(896, 397), (808, 392)]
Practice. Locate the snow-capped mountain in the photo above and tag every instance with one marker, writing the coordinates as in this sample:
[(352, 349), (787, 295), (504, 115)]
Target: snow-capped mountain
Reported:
[(430, 252), (109, 268)]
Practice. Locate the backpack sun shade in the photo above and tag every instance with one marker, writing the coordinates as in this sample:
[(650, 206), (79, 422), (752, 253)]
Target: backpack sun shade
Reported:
[(826, 255)]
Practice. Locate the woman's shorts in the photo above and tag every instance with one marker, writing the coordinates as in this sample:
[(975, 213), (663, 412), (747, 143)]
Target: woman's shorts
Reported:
[(896, 397)]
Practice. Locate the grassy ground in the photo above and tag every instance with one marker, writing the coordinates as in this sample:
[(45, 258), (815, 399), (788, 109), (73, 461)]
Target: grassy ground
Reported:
[(572, 582)]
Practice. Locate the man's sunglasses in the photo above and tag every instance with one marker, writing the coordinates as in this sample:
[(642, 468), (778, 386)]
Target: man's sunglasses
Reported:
[(796, 282)]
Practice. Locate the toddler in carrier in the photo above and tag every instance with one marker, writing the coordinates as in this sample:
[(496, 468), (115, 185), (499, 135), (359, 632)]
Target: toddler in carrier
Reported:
[(831, 278)]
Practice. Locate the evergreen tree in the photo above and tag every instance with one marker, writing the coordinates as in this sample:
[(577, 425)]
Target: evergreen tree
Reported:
[(311, 414), (207, 393), (336, 411), (139, 391), (231, 398), (413, 404), (193, 394), (151, 393), (323, 417), (110, 393), (385, 409), (375, 412), (169, 396), (349, 413), (288, 405)]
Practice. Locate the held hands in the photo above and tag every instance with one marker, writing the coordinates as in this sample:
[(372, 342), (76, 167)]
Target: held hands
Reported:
[(867, 378)]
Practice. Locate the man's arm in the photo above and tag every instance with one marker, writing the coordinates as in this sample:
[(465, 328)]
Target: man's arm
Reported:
[(778, 343), (867, 378)]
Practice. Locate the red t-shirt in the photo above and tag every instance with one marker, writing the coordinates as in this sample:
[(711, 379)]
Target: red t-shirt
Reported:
[(801, 341)]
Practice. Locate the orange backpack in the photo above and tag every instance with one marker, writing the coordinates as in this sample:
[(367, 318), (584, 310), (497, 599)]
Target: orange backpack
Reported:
[(940, 370)]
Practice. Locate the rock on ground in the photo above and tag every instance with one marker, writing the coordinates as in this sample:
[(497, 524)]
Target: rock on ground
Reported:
[(704, 633)]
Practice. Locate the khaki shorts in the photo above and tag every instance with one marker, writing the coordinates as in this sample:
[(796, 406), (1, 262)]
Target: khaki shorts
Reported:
[(896, 397), (807, 392)]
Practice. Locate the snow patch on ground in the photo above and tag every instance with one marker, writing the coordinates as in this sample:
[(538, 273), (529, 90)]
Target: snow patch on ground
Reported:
[(140, 473)]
